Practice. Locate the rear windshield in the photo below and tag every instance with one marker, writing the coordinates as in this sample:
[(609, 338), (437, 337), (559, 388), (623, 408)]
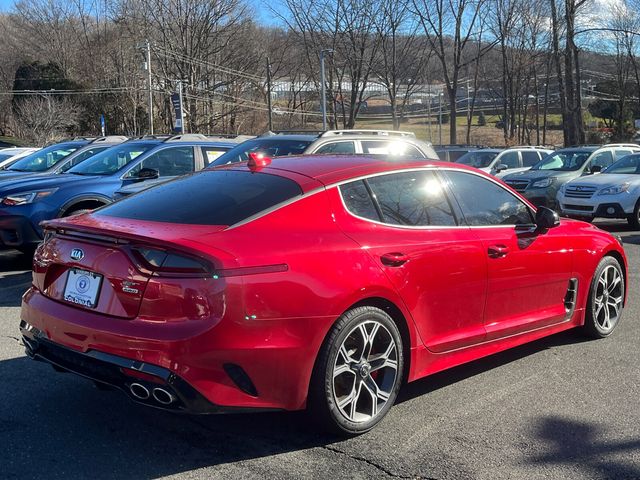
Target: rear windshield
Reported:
[(217, 197)]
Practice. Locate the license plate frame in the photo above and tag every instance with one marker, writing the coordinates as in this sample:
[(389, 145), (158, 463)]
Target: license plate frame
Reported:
[(77, 293)]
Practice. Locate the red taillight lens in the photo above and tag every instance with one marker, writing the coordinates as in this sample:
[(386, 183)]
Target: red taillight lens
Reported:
[(168, 263)]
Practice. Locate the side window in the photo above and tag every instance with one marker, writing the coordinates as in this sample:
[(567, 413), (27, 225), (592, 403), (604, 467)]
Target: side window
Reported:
[(337, 148), (358, 201), (412, 198), (510, 159), (621, 153), (603, 159), (169, 162), (484, 203), (390, 147), (529, 158), (211, 154)]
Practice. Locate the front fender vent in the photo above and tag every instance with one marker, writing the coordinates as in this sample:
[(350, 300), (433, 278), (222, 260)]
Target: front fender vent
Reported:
[(571, 296)]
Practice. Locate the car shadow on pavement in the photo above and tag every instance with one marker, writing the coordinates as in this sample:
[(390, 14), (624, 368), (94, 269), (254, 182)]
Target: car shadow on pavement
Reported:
[(62, 425), (585, 446), (456, 374), (12, 286), (10, 262)]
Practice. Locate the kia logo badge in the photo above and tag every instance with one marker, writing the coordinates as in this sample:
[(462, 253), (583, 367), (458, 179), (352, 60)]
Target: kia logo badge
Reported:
[(77, 254)]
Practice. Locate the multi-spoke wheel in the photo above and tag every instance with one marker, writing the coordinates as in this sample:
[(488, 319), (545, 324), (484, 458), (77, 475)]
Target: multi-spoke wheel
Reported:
[(358, 372), (606, 298)]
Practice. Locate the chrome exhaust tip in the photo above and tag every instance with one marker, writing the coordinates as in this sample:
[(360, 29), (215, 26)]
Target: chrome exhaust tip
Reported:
[(162, 396), (139, 391)]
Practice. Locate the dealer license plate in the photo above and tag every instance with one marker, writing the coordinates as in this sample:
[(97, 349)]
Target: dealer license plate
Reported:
[(82, 288)]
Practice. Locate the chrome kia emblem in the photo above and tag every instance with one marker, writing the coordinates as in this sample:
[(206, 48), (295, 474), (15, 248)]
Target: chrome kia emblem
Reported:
[(77, 254)]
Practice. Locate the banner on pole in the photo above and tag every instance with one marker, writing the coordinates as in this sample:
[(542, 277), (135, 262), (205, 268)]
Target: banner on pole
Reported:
[(177, 107)]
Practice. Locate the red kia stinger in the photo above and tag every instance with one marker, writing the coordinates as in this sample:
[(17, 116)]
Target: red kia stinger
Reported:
[(311, 282)]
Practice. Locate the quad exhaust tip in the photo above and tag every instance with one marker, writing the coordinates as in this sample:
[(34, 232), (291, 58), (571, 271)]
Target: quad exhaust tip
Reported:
[(162, 396), (139, 391)]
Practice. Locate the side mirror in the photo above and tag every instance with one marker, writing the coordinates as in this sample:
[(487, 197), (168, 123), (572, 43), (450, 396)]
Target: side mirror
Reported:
[(546, 218), (148, 174), (595, 168), (501, 168)]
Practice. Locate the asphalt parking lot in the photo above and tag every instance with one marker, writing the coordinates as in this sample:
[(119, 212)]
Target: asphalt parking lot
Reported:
[(562, 407)]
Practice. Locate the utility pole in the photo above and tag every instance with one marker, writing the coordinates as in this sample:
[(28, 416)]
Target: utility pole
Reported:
[(429, 111), (440, 117), (323, 87), (147, 46), (182, 126), (269, 94)]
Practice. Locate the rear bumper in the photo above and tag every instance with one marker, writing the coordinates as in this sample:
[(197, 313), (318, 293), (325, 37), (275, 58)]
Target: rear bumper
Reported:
[(229, 364), (110, 370)]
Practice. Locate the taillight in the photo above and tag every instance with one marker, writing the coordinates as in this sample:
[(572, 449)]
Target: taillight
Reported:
[(171, 264)]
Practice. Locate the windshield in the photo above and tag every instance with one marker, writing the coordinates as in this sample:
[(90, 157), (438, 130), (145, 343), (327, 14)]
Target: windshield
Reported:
[(44, 159), (568, 161), (5, 156), (111, 160), (271, 147), (478, 159), (629, 164)]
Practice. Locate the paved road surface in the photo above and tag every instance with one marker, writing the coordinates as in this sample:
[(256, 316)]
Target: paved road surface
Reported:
[(562, 407)]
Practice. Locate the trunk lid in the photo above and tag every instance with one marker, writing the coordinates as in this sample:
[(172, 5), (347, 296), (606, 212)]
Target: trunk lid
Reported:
[(89, 262)]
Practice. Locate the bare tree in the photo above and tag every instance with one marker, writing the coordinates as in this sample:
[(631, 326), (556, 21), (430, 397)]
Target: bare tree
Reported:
[(42, 119), (450, 27)]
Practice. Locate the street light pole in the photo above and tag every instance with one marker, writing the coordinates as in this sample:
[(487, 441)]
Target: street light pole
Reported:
[(323, 88)]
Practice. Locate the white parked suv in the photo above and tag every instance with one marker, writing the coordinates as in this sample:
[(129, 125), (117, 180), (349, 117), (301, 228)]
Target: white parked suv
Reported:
[(499, 162), (11, 154), (613, 193)]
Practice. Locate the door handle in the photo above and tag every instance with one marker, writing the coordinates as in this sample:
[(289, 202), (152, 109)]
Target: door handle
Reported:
[(394, 259), (498, 251)]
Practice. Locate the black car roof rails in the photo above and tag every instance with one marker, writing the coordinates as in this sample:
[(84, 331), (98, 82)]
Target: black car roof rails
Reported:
[(150, 137)]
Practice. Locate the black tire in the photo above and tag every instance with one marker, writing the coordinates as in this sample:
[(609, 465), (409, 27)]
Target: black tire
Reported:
[(634, 219), (363, 366), (602, 317)]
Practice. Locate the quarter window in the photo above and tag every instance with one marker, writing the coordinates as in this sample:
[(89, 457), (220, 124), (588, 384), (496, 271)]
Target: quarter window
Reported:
[(411, 198), (484, 203), (358, 201), (211, 154)]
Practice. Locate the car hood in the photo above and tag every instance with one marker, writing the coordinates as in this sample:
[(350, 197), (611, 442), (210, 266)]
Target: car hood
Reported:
[(8, 175), (601, 180), (32, 182), (533, 175)]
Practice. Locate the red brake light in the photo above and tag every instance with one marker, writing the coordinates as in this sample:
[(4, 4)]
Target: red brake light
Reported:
[(257, 160)]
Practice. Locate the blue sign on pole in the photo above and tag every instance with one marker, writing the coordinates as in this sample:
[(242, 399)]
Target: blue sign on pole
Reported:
[(176, 101), (103, 125)]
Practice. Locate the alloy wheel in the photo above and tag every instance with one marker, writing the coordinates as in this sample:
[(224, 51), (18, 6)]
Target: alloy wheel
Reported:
[(365, 371), (609, 294)]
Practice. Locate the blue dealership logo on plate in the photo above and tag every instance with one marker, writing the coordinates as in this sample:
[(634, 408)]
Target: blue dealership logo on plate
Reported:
[(82, 284)]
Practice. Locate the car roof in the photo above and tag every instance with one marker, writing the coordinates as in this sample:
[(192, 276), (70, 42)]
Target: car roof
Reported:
[(579, 149), (289, 136), (331, 169)]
